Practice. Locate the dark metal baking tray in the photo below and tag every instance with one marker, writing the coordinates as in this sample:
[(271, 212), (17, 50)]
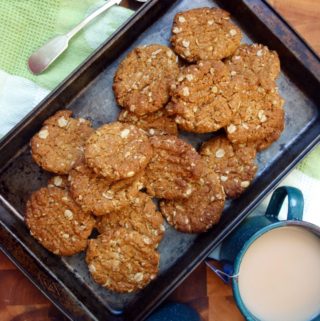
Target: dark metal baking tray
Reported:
[(89, 94)]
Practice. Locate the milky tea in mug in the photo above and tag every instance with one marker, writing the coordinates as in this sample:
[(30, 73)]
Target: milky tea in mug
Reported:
[(279, 275)]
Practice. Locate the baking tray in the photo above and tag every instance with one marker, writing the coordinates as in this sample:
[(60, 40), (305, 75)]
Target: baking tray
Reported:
[(88, 93)]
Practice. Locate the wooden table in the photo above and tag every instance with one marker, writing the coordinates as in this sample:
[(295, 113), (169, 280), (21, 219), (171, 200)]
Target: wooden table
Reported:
[(21, 301)]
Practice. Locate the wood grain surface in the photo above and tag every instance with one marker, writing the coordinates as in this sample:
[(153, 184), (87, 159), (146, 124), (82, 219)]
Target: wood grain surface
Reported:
[(22, 301)]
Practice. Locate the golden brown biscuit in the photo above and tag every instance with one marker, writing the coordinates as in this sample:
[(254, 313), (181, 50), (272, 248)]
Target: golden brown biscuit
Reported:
[(172, 170), (141, 216), (142, 81), (122, 260), (233, 163), (205, 97), (99, 195), (117, 151), (154, 124), (259, 119), (57, 222), (204, 34), (58, 146), (201, 210), (256, 64)]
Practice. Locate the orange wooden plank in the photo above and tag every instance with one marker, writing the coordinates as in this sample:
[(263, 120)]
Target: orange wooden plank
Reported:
[(222, 306), (5, 264), (193, 291), (303, 15), (16, 289), (30, 313)]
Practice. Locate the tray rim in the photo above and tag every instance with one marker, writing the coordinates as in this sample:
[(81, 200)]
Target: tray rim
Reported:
[(308, 148), (290, 27), (22, 269), (315, 73)]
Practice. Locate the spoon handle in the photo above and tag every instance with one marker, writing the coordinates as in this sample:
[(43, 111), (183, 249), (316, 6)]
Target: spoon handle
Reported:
[(92, 16)]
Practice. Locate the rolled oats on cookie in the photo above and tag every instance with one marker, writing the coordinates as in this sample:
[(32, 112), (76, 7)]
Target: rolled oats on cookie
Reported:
[(154, 124), (256, 64), (141, 216), (98, 195), (204, 97), (122, 260), (234, 164), (204, 34), (175, 165), (58, 146), (259, 120), (142, 81), (57, 222), (201, 210), (117, 151)]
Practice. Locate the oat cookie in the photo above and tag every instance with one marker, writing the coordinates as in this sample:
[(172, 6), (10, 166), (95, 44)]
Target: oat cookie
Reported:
[(57, 222), (122, 260), (141, 216), (60, 181), (233, 163), (154, 124), (172, 170), (204, 97), (201, 210), (99, 195), (142, 81), (118, 151), (204, 34), (58, 146), (259, 120), (256, 64)]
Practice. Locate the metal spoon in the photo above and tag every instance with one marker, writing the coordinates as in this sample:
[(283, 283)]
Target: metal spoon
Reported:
[(42, 58)]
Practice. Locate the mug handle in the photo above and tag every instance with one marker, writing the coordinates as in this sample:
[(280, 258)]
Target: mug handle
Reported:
[(295, 203)]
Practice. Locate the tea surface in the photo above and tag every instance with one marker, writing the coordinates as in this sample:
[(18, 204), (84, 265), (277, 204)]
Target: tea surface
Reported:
[(279, 276)]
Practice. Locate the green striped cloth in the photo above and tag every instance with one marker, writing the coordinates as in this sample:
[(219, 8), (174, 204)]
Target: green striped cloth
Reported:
[(27, 24)]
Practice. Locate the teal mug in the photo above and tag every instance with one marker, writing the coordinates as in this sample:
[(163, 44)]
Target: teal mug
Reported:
[(236, 245)]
